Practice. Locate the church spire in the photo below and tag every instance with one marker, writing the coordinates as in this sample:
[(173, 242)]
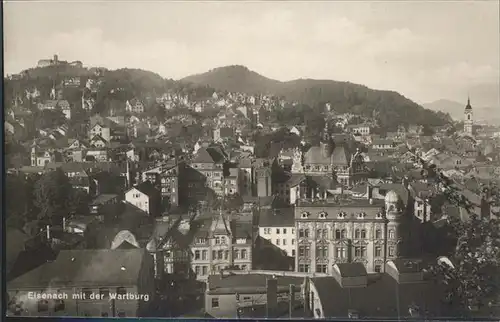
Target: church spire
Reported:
[(468, 106)]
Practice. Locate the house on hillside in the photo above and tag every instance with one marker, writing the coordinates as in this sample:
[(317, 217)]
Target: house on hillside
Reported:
[(134, 106), (145, 197)]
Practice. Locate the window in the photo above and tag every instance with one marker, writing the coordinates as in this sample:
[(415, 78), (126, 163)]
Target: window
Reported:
[(378, 251), (197, 270), (223, 240), (220, 254), (196, 254), (277, 231), (357, 234), (363, 233), (391, 251), (321, 268), (378, 268), (121, 290), (293, 241), (337, 234), (284, 242), (226, 254), (304, 268), (293, 252), (243, 254), (391, 234), (214, 254), (236, 254), (293, 231), (204, 255), (284, 230), (215, 302), (277, 241), (301, 232), (43, 306), (325, 233), (340, 252), (204, 270), (343, 233), (378, 234), (217, 240), (306, 233), (319, 233)]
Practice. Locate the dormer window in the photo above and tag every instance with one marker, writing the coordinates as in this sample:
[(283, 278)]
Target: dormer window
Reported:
[(323, 215), (379, 216), (341, 215), (361, 215), (305, 215)]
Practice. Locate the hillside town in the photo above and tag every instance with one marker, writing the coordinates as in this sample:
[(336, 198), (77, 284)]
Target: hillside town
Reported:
[(212, 208)]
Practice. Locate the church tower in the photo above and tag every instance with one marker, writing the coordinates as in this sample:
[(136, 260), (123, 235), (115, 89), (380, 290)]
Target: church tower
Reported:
[(468, 120)]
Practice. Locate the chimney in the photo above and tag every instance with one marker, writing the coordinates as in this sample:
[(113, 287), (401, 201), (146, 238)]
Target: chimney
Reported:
[(272, 295)]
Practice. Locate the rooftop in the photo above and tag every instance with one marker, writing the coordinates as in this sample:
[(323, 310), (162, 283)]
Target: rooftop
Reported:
[(250, 283), (382, 298), (277, 218), (85, 268)]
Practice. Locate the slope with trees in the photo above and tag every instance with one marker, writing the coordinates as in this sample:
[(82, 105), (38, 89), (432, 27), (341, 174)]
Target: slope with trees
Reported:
[(388, 107)]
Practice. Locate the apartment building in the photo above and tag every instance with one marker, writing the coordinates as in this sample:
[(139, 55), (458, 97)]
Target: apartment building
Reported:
[(348, 230)]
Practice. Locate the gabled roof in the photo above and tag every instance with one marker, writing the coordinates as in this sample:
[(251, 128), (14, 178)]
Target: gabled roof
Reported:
[(146, 188), (209, 155), (340, 155)]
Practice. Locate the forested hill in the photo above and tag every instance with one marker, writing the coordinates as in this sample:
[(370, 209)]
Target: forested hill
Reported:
[(389, 107)]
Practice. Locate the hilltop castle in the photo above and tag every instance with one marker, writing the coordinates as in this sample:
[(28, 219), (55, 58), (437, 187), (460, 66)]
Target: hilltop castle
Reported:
[(56, 62)]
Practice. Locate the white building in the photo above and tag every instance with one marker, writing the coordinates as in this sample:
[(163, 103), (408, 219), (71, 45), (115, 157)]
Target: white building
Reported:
[(278, 227)]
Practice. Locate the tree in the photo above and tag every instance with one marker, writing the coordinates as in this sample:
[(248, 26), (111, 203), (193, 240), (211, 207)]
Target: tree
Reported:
[(51, 194), (78, 202), (474, 279), (233, 202), (427, 130), (19, 202), (49, 119)]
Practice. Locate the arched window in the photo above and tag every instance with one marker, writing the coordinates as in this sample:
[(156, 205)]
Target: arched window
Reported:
[(468, 116), (391, 234), (378, 234), (363, 234), (338, 234), (357, 233)]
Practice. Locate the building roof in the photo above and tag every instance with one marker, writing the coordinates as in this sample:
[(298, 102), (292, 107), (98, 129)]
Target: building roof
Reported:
[(103, 198), (146, 188), (85, 268), (351, 269), (208, 155), (351, 208), (246, 283), (277, 218), (341, 155), (382, 298)]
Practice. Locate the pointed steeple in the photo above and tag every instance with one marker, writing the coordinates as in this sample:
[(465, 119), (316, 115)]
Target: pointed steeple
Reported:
[(468, 106)]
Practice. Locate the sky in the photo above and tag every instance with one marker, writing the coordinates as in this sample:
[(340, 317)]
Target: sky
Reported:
[(425, 50)]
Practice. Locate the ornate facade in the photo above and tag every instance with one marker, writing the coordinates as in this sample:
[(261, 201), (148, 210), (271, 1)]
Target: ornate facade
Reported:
[(366, 231)]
